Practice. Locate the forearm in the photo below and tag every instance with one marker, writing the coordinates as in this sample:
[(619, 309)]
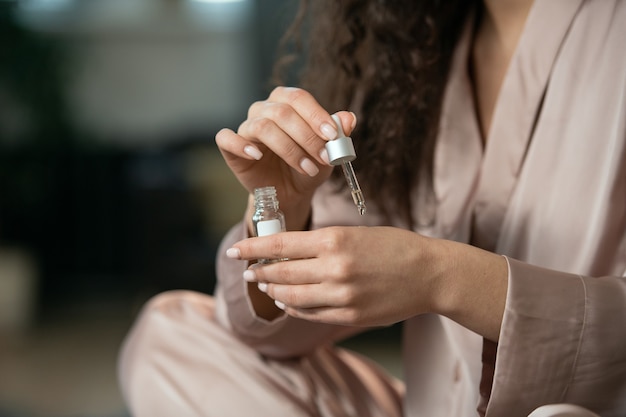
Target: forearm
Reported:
[(472, 286)]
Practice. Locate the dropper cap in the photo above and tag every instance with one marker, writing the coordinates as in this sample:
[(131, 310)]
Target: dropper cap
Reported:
[(341, 149)]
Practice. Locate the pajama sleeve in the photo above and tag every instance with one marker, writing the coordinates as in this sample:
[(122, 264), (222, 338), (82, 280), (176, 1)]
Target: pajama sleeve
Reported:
[(563, 340)]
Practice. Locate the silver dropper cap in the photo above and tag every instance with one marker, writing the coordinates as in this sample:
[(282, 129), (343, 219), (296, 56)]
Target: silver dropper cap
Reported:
[(341, 149)]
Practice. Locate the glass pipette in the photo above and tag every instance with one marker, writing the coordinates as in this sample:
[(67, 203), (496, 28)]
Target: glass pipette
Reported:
[(341, 152)]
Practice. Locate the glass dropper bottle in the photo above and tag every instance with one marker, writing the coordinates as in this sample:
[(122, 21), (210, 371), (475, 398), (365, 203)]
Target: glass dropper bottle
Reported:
[(267, 219), (341, 152)]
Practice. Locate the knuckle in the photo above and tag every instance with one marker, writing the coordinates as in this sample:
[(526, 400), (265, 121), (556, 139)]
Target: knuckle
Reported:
[(294, 94), (279, 111), (353, 316), (331, 240), (346, 295), (256, 109), (291, 298), (343, 268), (292, 152), (276, 248), (317, 114), (261, 126), (311, 139), (278, 91), (283, 275), (287, 94)]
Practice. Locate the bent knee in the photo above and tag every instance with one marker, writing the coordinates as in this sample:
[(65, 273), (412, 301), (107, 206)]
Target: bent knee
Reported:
[(562, 410), (165, 323), (177, 301)]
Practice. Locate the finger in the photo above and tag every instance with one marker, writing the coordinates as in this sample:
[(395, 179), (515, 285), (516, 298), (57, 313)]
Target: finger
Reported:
[(330, 315), (311, 111), (291, 122), (283, 144), (305, 104), (315, 314), (301, 284), (348, 121), (291, 272), (230, 143), (297, 296), (291, 245)]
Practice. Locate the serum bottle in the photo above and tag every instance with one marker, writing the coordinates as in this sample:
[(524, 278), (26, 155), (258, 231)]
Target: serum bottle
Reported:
[(267, 218)]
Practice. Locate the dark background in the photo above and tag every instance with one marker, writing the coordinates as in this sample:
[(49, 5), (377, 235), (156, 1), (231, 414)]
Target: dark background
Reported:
[(104, 215)]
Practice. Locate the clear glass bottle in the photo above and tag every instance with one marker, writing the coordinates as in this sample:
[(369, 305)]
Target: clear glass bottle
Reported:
[(267, 218)]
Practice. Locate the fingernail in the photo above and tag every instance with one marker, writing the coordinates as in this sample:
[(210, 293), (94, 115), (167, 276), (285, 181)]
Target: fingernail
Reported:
[(233, 253), (309, 167), (262, 286), (324, 155), (279, 304), (253, 152), (353, 125), (329, 131), (249, 275)]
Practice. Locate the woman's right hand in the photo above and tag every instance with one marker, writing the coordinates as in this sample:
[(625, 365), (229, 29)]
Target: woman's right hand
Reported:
[(282, 143)]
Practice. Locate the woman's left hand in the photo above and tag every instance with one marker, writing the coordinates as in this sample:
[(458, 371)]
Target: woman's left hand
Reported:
[(357, 276)]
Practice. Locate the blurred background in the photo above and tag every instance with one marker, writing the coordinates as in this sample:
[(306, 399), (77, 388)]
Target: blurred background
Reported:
[(111, 187)]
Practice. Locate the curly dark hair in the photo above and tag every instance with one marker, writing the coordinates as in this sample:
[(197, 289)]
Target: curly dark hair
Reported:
[(388, 62)]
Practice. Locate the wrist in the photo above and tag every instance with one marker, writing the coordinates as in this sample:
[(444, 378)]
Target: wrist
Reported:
[(471, 286), (441, 258)]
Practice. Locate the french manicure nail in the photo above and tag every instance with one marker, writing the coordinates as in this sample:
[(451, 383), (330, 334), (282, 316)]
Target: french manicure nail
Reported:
[(279, 304), (329, 131), (253, 152), (309, 167), (233, 253), (249, 275), (262, 286)]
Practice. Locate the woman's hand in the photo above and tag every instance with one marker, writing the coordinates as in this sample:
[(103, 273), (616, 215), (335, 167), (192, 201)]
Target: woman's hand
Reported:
[(344, 275), (372, 276), (281, 143)]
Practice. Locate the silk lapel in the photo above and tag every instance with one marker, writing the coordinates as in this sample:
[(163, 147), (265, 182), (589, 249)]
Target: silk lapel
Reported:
[(516, 112)]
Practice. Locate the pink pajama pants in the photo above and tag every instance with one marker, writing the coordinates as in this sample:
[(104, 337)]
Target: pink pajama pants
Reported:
[(179, 362)]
